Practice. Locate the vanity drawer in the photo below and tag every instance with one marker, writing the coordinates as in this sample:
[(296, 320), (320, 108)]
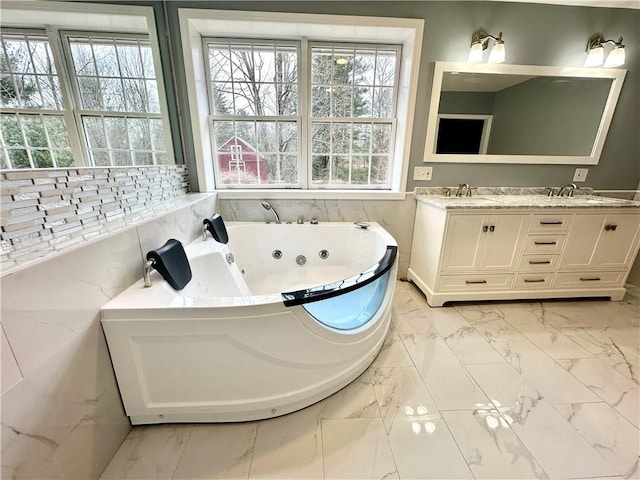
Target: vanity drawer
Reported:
[(550, 223), (473, 282), (548, 243), (589, 279), (535, 262), (527, 281)]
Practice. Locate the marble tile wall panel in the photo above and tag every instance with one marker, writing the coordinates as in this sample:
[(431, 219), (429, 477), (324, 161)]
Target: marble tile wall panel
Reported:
[(396, 216), (50, 210), (46, 306), (64, 419), (10, 374), (184, 225)]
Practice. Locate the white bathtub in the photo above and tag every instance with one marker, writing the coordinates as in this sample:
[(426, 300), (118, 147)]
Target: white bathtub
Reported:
[(259, 337)]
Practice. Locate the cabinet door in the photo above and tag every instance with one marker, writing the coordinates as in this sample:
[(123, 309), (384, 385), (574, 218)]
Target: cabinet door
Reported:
[(501, 243), (601, 240), (462, 242), (616, 245)]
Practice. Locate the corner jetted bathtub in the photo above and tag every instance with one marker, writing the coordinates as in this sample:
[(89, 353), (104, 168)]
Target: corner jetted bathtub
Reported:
[(281, 317)]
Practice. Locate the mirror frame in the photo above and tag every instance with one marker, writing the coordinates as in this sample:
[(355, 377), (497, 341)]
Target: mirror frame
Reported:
[(617, 76)]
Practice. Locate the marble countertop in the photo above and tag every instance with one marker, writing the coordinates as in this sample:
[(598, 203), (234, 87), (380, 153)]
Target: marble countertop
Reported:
[(509, 198)]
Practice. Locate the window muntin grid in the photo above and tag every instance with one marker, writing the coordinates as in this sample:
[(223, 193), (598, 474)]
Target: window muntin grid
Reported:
[(124, 140), (253, 94), (114, 74), (34, 141), (29, 78), (33, 131), (114, 83), (353, 107)]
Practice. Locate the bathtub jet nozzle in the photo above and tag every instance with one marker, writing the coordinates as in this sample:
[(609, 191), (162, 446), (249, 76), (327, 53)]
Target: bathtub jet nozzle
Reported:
[(267, 206)]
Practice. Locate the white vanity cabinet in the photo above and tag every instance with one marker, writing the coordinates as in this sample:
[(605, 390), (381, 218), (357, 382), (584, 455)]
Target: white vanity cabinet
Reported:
[(521, 253)]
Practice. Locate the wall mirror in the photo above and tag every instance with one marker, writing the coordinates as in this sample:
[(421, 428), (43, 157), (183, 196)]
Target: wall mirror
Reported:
[(484, 113)]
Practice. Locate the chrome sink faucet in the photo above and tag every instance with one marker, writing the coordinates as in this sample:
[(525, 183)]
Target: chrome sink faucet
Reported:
[(569, 188), (463, 187)]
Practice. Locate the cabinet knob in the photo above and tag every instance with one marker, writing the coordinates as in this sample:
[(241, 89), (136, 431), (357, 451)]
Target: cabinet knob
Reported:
[(485, 229), (492, 228), (610, 227)]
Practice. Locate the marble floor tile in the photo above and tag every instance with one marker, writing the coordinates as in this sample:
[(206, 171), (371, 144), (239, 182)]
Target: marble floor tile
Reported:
[(620, 392), (544, 373), (423, 448), (471, 347), (479, 313), (449, 383), (393, 353), (490, 446), (289, 447), (401, 392), (357, 448), (149, 452), (218, 451), (415, 321), (611, 434), (614, 346), (559, 449), (356, 400)]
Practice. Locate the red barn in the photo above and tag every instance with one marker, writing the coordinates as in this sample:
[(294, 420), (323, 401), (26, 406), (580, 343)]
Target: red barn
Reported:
[(236, 155)]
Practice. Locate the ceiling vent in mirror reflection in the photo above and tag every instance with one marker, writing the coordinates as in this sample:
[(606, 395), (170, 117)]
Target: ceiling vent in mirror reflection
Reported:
[(481, 113)]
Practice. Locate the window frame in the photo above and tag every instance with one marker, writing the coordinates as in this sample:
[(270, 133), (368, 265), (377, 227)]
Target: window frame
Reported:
[(196, 23), (66, 112), (79, 112), (53, 17), (212, 117), (310, 120)]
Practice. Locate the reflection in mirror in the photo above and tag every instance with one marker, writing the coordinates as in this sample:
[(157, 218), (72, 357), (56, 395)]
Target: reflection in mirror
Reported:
[(520, 114)]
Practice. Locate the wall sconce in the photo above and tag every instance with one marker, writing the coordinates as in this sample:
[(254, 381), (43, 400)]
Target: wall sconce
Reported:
[(595, 49), (479, 43)]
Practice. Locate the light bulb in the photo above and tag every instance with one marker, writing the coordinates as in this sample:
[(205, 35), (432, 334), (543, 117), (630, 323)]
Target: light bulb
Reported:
[(595, 57), (475, 54), (497, 54), (615, 57)]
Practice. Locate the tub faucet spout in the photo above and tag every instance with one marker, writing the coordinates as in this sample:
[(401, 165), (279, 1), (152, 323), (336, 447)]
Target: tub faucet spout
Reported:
[(148, 265), (267, 206)]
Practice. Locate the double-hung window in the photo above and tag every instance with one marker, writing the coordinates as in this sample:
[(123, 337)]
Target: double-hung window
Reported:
[(33, 126), (93, 102), (115, 89), (254, 104), (300, 114)]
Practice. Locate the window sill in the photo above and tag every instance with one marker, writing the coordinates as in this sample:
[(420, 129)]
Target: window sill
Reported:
[(271, 194)]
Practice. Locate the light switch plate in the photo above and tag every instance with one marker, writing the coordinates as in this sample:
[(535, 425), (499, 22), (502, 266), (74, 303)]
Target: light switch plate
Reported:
[(422, 173), (580, 175)]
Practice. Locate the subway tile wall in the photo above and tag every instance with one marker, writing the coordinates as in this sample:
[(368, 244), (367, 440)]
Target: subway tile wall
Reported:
[(49, 210)]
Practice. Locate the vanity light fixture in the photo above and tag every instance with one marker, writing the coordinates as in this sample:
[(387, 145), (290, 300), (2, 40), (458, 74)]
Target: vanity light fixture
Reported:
[(479, 42), (595, 52)]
